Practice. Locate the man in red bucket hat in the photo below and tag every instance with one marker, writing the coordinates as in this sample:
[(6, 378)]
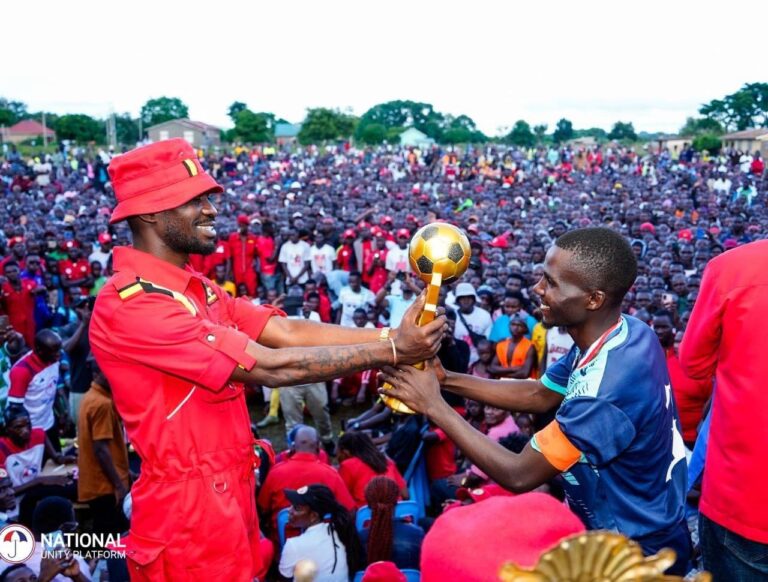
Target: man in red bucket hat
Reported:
[(176, 350)]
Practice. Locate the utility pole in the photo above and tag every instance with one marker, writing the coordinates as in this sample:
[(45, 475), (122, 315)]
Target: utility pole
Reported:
[(45, 132)]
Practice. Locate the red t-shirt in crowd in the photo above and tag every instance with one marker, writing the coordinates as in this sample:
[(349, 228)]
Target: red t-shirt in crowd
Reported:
[(266, 246), (356, 475), (441, 457), (20, 307)]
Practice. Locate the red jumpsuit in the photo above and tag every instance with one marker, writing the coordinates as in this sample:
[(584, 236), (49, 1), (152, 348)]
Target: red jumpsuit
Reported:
[(243, 251), (168, 345)]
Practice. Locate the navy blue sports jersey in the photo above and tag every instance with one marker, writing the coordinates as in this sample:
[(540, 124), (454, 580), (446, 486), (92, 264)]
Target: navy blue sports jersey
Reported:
[(618, 412)]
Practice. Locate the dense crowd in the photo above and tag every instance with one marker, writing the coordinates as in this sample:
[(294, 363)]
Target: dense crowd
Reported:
[(323, 233)]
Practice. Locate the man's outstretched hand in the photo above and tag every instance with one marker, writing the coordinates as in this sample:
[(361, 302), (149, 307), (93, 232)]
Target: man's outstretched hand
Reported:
[(414, 343), (419, 390)]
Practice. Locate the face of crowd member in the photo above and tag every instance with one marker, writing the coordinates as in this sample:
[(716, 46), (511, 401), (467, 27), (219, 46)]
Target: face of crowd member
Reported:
[(495, 416), (466, 304), (7, 496), (355, 283), (22, 574), (319, 239), (96, 269), (359, 318), (511, 306), (642, 300), (402, 242), (686, 255), (189, 227), (11, 273), (678, 340), (679, 285), (475, 410), (220, 273), (33, 264), (301, 516), (19, 430), (662, 325)]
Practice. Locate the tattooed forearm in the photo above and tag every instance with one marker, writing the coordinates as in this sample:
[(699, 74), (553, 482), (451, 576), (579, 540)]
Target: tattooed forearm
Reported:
[(288, 367)]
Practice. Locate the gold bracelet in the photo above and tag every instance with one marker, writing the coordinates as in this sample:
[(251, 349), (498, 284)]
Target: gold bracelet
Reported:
[(394, 352), (384, 334)]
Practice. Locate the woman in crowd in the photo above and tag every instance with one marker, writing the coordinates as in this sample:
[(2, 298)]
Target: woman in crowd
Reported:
[(329, 539), (388, 538), (361, 461)]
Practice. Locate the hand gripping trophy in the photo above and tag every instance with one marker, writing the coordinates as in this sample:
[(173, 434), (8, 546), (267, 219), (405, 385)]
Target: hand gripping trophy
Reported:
[(439, 253)]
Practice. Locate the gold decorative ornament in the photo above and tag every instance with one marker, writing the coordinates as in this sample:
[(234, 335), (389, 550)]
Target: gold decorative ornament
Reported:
[(439, 253), (597, 556)]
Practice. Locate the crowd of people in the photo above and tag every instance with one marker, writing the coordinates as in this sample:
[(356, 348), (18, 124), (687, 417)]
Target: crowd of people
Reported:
[(322, 234)]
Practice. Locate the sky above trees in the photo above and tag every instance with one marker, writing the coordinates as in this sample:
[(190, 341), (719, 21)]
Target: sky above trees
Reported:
[(591, 62)]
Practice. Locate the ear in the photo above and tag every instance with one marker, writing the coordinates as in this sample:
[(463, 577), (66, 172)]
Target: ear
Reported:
[(596, 300), (148, 218)]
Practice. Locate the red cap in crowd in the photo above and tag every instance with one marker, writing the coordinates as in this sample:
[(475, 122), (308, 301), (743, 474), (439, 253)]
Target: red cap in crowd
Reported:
[(383, 572), (404, 232), (385, 220), (104, 238), (349, 233), (376, 231), (730, 243), (473, 229), (470, 543), (15, 241), (685, 234), (242, 219), (647, 227), (157, 177)]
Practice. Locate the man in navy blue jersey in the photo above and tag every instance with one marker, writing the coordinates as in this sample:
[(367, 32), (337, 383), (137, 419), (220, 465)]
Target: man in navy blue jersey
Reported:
[(616, 434)]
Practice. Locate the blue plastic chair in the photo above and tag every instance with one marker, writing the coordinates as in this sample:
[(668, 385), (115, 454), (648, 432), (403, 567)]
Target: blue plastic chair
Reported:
[(282, 521), (403, 509)]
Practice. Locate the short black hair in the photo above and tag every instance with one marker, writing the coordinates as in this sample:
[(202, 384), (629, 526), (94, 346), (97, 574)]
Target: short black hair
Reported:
[(604, 259)]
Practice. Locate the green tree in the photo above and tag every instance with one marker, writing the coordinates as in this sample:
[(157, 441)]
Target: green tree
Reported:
[(126, 129), (563, 131), (373, 134), (521, 134), (707, 141), (747, 107), (701, 125), (80, 128), (405, 114), (236, 108), (322, 124), (11, 111), (253, 127), (540, 131), (163, 109), (622, 130)]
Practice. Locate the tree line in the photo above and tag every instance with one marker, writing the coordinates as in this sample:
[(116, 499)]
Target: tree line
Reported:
[(384, 122)]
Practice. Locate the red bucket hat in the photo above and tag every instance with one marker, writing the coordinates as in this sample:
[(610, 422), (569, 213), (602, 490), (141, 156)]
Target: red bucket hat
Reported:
[(157, 177)]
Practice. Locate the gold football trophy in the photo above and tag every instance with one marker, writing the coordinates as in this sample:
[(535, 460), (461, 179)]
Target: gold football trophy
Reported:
[(439, 253)]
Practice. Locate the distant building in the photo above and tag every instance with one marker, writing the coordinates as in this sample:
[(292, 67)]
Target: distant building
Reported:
[(197, 133), (749, 140), (412, 137), (587, 141), (26, 130), (674, 144), (286, 133)]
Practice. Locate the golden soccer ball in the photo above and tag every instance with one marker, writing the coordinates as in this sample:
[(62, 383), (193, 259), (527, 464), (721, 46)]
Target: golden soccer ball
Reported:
[(439, 248)]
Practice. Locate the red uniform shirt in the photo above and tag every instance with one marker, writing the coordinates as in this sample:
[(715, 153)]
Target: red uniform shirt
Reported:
[(218, 257), (725, 338), (20, 307), (243, 251), (356, 475), (168, 346), (297, 471), (345, 257)]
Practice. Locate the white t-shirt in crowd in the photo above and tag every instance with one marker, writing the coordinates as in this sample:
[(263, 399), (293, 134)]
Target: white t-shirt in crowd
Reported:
[(294, 256), (558, 344), (397, 308), (321, 259), (480, 322), (397, 260), (349, 301), (101, 256), (317, 545)]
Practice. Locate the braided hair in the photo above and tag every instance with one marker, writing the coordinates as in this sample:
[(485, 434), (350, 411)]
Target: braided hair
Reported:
[(360, 445), (340, 521), (381, 494)]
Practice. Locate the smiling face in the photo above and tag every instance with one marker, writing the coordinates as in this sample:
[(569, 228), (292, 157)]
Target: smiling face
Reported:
[(189, 227), (564, 300)]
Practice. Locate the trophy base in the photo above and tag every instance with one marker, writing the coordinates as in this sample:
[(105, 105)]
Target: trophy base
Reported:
[(395, 404)]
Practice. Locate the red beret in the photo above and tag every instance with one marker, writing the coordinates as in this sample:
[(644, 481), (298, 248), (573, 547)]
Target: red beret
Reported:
[(685, 234), (404, 232), (349, 233), (243, 220), (157, 177), (105, 237), (471, 543), (647, 226)]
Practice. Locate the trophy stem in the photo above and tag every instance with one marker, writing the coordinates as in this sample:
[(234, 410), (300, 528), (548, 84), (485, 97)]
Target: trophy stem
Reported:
[(427, 315)]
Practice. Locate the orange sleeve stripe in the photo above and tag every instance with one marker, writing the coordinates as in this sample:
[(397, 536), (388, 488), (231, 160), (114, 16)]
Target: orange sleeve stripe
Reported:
[(556, 447)]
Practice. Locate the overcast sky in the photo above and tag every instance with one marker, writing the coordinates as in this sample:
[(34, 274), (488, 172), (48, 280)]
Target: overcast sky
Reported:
[(652, 63)]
